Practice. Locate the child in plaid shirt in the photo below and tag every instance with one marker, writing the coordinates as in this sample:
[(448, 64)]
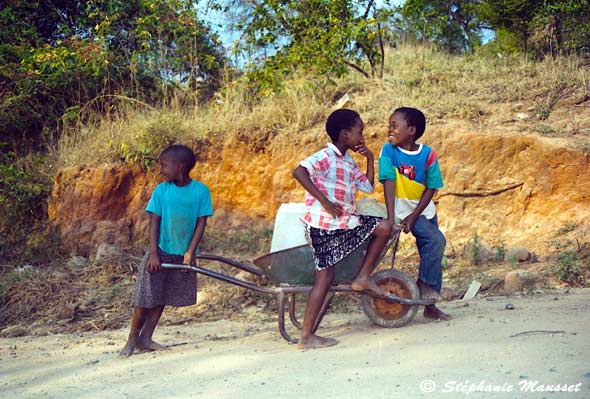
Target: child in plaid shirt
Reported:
[(331, 178)]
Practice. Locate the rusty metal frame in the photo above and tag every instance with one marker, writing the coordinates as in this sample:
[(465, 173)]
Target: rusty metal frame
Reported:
[(284, 293)]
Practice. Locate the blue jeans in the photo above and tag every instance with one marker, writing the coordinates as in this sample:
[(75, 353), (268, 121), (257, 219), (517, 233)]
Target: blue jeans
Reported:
[(431, 247)]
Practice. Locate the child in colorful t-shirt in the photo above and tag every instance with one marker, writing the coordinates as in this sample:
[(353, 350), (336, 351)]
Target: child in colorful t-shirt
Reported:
[(411, 175)]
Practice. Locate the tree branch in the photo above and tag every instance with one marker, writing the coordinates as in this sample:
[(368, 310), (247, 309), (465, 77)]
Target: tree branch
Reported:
[(357, 68), (483, 193), (366, 14)]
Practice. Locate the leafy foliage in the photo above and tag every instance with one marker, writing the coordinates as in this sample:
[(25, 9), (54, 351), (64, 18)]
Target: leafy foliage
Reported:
[(24, 237), (453, 25), (324, 37), (542, 26), (57, 56)]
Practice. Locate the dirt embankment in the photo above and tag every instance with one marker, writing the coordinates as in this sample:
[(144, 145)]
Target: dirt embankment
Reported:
[(501, 186)]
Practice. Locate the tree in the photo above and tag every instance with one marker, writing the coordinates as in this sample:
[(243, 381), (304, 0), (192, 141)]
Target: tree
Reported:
[(325, 37), (543, 26), (56, 56), (453, 25)]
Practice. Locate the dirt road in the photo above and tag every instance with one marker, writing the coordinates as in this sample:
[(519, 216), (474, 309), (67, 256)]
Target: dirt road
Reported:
[(487, 351)]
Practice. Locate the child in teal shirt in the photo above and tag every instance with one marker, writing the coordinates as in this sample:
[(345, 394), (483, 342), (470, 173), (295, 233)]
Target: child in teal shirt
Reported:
[(178, 210)]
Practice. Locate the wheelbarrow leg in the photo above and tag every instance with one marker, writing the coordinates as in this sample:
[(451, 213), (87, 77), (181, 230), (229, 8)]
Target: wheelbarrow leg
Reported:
[(281, 306), (323, 310), (292, 316)]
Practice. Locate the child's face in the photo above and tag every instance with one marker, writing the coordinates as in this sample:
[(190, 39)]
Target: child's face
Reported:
[(170, 170), (398, 132), (355, 134)]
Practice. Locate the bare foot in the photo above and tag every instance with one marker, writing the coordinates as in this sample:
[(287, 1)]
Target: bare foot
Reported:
[(129, 347), (432, 312), (316, 342), (426, 292), (150, 346), (367, 284)]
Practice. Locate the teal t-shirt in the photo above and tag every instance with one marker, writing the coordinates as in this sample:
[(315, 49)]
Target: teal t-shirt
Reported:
[(179, 208)]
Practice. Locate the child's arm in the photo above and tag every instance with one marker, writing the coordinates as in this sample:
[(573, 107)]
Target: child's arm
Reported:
[(189, 255), (154, 259), (364, 151), (302, 176), (389, 191), (387, 176), (408, 222)]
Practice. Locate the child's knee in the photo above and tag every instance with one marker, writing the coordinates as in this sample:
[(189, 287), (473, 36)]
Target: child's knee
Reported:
[(440, 242), (383, 229)]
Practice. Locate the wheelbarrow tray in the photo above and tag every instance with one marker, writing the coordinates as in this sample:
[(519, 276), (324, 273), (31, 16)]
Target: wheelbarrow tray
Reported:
[(295, 266)]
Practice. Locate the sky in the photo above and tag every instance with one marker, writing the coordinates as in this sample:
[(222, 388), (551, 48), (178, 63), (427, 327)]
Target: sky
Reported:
[(223, 25)]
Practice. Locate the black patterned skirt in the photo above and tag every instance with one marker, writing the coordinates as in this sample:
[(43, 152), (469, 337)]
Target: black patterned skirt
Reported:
[(331, 246), (166, 287)]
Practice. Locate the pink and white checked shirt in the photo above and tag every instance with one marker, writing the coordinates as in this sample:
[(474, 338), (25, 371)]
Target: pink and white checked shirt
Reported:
[(338, 177)]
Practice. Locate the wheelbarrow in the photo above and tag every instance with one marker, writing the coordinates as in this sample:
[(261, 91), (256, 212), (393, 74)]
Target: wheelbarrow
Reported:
[(292, 271)]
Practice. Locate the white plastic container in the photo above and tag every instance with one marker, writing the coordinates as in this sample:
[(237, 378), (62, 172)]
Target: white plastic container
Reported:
[(289, 230)]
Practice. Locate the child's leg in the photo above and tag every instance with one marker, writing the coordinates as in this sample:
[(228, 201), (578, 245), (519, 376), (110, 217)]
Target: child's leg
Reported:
[(378, 241), (321, 285), (145, 336), (137, 322), (431, 246)]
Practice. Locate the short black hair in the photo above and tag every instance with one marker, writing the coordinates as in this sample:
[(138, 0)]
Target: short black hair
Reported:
[(415, 118), (182, 154), (340, 119)]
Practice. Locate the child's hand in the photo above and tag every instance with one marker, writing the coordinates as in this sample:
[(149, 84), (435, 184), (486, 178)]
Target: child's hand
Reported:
[(189, 259), (364, 151), (333, 208), (153, 264), (408, 222)]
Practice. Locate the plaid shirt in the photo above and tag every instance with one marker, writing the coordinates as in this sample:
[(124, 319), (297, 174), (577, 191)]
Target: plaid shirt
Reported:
[(338, 177)]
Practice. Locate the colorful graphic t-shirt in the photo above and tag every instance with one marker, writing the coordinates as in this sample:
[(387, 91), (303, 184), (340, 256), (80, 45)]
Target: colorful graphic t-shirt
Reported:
[(413, 172), (179, 208)]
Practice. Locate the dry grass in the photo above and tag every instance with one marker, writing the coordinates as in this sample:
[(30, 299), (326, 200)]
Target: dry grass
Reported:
[(95, 297), (472, 89), (469, 88)]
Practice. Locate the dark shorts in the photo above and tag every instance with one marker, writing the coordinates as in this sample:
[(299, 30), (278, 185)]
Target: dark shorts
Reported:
[(331, 246), (166, 287)]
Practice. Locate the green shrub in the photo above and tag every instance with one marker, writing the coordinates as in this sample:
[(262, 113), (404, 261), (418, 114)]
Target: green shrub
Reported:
[(24, 188), (567, 228), (475, 250), (571, 268), (500, 252)]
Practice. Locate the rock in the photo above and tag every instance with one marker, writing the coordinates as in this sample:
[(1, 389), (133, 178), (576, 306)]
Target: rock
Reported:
[(69, 311), (472, 290), (520, 254), (517, 280), (343, 101), (485, 252), (77, 262), (522, 115), (509, 306), (202, 297), (107, 251)]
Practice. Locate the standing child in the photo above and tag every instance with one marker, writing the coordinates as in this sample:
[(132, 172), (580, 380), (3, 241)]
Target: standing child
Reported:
[(331, 178), (411, 175), (178, 210)]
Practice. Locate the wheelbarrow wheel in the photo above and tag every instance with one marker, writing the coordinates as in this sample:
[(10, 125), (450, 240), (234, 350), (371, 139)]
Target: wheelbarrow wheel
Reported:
[(387, 314)]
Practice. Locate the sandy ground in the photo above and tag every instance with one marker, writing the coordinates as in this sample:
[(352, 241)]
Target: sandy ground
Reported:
[(476, 355)]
